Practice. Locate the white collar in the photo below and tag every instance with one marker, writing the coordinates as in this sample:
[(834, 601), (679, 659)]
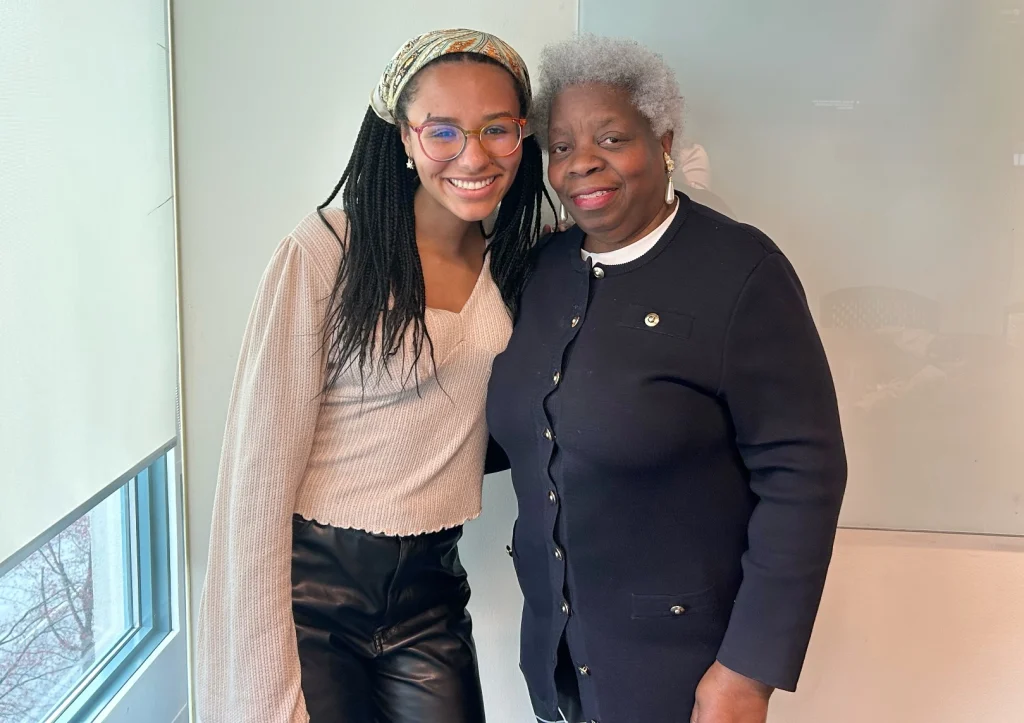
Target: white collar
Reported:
[(634, 250)]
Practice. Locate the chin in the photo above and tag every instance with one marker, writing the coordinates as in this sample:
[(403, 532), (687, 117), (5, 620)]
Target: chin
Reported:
[(473, 212), (597, 222)]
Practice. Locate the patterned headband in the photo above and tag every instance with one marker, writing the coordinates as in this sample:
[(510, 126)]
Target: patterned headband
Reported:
[(415, 54)]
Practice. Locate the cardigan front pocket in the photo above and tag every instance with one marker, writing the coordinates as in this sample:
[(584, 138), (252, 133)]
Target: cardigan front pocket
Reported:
[(656, 320)]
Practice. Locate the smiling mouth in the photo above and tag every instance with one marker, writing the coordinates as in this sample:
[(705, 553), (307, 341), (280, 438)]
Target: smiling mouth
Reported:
[(592, 195), (472, 185), (594, 199)]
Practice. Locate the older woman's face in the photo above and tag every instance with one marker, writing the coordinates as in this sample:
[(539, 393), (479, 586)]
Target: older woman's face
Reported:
[(606, 165)]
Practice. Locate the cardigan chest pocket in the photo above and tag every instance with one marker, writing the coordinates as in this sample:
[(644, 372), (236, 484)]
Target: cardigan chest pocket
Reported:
[(656, 320), (673, 606)]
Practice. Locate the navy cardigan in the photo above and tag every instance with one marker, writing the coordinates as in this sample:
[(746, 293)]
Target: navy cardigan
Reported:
[(677, 457)]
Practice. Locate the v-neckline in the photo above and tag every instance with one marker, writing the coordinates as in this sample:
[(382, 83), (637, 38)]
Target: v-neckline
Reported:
[(472, 293)]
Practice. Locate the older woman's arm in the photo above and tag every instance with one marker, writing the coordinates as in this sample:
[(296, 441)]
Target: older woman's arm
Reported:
[(496, 459), (779, 391)]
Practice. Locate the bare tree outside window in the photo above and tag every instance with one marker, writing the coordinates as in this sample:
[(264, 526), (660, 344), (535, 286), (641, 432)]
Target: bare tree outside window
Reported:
[(52, 631)]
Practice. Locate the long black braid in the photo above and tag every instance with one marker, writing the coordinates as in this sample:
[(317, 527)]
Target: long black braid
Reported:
[(379, 291)]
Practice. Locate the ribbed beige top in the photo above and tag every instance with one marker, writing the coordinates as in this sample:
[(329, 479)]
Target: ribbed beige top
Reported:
[(381, 458)]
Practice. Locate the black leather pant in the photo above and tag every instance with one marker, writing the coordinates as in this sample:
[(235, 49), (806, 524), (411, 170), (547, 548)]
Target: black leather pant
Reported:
[(382, 627)]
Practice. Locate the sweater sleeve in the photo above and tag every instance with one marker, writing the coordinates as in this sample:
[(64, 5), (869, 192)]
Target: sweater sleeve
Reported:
[(247, 657), (779, 391)]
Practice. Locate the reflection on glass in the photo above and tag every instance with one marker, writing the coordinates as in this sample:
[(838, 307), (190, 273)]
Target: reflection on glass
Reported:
[(62, 610), (880, 145)]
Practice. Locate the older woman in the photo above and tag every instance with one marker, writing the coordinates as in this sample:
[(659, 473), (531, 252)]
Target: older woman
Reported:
[(671, 423)]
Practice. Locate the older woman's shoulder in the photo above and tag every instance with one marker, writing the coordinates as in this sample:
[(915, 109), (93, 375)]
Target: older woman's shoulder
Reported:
[(740, 243), (553, 245)]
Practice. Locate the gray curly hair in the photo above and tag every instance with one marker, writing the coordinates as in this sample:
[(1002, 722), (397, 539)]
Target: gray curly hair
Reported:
[(590, 59)]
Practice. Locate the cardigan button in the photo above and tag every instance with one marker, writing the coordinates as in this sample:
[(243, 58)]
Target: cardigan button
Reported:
[(558, 553), (548, 435), (652, 319), (584, 670), (508, 549), (598, 272), (678, 610), (565, 608), (552, 497), (556, 377), (575, 322)]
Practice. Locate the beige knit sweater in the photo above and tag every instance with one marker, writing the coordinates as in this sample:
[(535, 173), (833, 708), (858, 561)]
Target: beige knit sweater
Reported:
[(381, 458)]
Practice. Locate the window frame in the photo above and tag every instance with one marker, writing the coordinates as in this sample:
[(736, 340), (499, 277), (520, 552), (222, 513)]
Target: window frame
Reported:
[(148, 529)]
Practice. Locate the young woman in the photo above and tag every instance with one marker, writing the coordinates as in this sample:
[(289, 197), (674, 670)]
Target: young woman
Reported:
[(355, 442)]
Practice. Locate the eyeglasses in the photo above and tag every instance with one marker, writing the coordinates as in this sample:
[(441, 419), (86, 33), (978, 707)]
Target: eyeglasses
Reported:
[(444, 142)]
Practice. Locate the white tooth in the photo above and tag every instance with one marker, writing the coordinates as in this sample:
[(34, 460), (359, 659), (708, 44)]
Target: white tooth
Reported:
[(471, 185)]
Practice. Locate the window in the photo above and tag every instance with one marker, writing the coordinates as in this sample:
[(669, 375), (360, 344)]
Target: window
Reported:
[(84, 605)]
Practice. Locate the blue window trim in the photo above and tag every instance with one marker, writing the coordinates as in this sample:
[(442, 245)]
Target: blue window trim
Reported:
[(83, 509), (145, 495)]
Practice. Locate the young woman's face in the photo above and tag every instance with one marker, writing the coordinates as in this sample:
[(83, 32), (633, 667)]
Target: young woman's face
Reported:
[(469, 95)]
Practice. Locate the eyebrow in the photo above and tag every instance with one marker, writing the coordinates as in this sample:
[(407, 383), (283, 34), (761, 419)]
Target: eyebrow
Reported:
[(601, 123), (448, 119)]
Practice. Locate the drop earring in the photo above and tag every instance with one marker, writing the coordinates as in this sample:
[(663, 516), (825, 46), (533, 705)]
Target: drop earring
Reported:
[(670, 190), (563, 217), (410, 164)]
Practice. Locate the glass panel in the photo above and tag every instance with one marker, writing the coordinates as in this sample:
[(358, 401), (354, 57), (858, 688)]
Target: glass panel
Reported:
[(63, 610), (881, 145)]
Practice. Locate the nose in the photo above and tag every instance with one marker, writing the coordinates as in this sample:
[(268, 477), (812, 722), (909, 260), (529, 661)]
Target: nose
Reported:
[(584, 162), (474, 157)]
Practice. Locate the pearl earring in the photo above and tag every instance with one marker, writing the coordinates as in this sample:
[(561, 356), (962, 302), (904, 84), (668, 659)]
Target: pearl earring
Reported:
[(410, 164), (670, 190)]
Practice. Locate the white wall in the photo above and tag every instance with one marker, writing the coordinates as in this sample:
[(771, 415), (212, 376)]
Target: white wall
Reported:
[(269, 97), (914, 629)]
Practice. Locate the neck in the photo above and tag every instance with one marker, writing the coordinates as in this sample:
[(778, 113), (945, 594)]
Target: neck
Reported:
[(442, 232), (600, 243)]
